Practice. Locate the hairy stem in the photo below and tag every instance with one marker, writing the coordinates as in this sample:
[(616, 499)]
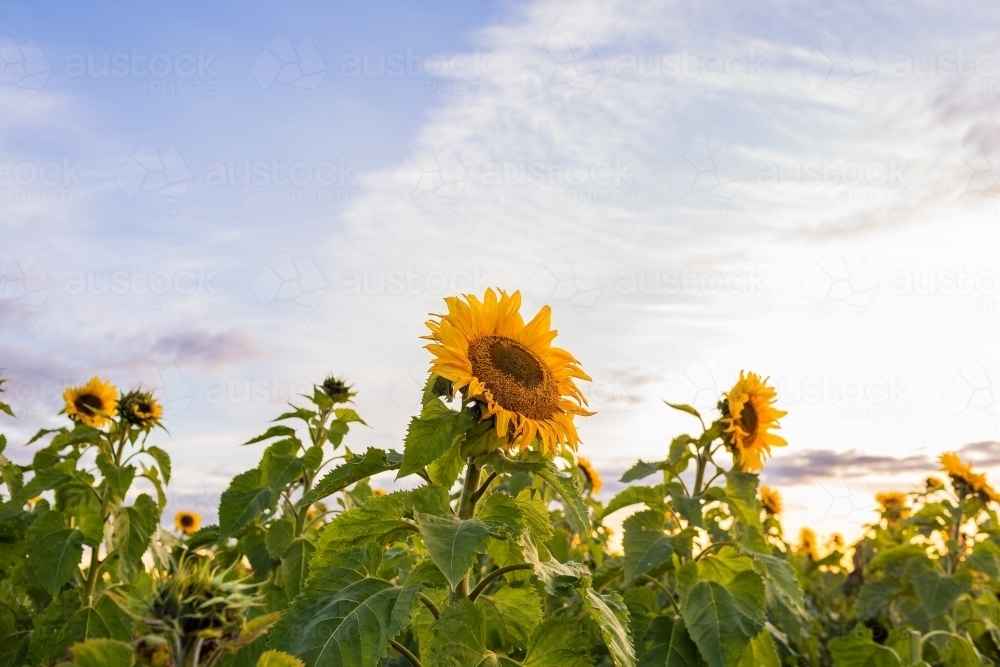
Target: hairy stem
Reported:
[(466, 510), (405, 653), (435, 612), (494, 575)]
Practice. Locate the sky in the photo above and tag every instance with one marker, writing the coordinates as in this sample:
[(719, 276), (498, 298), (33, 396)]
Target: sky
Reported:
[(225, 203)]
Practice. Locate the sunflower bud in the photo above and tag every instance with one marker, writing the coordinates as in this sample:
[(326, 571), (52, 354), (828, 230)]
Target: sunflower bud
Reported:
[(338, 390), (140, 409)]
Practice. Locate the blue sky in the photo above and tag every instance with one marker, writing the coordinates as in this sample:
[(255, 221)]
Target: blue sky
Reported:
[(256, 195)]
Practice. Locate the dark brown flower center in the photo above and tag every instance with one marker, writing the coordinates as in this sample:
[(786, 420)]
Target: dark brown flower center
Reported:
[(748, 419), (518, 380), (88, 404), (187, 520)]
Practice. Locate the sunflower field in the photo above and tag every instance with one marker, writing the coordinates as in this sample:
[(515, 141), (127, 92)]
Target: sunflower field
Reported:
[(496, 555)]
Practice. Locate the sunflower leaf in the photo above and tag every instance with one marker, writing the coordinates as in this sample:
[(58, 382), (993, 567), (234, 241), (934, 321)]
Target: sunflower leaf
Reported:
[(242, 502), (566, 486), (354, 469), (431, 435), (452, 542), (54, 550)]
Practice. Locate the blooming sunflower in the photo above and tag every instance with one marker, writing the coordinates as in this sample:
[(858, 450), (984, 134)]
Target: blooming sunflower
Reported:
[(748, 415), (139, 408), (934, 484), (807, 543), (485, 349), (187, 522), (771, 500), (892, 502), (593, 477), (92, 404), (966, 482)]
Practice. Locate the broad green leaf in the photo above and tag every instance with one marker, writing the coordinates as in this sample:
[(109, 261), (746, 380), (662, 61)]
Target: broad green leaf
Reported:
[(354, 469), (641, 470), (133, 528), (762, 652), (985, 558), (342, 619), (280, 470), (105, 620), (116, 478), (445, 470), (481, 439), (646, 545), (162, 460), (723, 619), (961, 653), (683, 407), (651, 496), (511, 614), (671, 645), (431, 435), (741, 495), (459, 638), (536, 514), (312, 458), (527, 462), (611, 616), (723, 565), (379, 519), (279, 535), (690, 510), (254, 546), (566, 486), (278, 659), (54, 550), (103, 653), (452, 543), (781, 581), (560, 579), (295, 565), (79, 502), (276, 431), (938, 592), (14, 648), (246, 497), (858, 650), (558, 642), (501, 514), (678, 448), (897, 554)]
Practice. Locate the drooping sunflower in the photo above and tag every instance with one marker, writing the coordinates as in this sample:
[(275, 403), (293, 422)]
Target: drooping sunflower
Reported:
[(749, 415), (337, 389), (139, 408), (93, 404), (486, 350), (593, 477), (770, 499), (187, 522), (967, 483)]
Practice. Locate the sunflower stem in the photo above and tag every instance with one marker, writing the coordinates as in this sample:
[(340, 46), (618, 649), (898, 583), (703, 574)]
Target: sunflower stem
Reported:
[(485, 486), (700, 475), (466, 510)]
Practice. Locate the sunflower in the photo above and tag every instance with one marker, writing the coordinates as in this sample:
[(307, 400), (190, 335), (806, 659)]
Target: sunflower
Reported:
[(771, 500), (934, 484), (378, 493), (807, 543), (337, 389), (139, 408), (593, 477), (187, 522), (748, 415), (92, 404), (891, 501), (967, 483), (486, 350)]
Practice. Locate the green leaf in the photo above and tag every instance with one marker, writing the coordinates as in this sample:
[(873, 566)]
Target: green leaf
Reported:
[(897, 554), (558, 642), (103, 653), (278, 659), (502, 514), (431, 435), (511, 614), (741, 495), (535, 513), (105, 620), (279, 535), (985, 558), (242, 502), (279, 470), (133, 529), (566, 486), (723, 619), (679, 448), (651, 496), (343, 619), (481, 439), (858, 650), (295, 565), (961, 653), (690, 509), (611, 616), (459, 638), (671, 645), (938, 592), (276, 431), (116, 478), (683, 407), (378, 519), (354, 469), (162, 460), (762, 652), (642, 469), (452, 543), (646, 545), (54, 550), (559, 578), (781, 581)]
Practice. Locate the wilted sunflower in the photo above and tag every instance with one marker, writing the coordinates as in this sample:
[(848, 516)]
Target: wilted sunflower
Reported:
[(771, 500), (92, 404), (966, 482), (337, 389), (891, 501), (593, 477), (139, 408), (748, 415), (187, 522), (486, 349), (807, 543)]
